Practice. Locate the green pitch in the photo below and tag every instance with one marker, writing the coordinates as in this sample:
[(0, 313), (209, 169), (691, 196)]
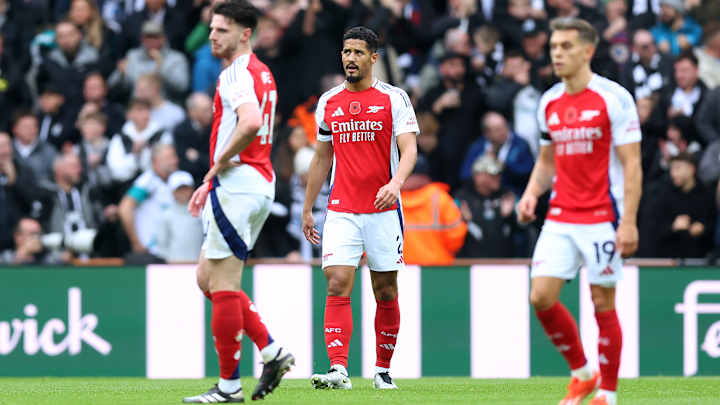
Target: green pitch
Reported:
[(440, 391)]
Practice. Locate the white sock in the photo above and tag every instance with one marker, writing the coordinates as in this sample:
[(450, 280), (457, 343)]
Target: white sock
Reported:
[(229, 386), (379, 370), (340, 368), (583, 373), (270, 351), (610, 396)]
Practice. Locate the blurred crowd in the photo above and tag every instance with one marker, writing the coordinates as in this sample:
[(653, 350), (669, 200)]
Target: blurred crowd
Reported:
[(107, 110)]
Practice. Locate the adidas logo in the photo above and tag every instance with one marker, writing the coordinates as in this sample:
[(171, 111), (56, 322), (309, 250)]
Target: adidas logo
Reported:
[(602, 359), (554, 119), (563, 348), (335, 343), (607, 272), (388, 346), (393, 335), (338, 112)]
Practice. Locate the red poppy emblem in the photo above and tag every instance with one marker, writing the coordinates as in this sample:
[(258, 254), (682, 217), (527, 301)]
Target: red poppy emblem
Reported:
[(355, 108), (571, 115)]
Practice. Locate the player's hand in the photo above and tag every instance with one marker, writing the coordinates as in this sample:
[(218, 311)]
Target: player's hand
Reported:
[(197, 201), (627, 239), (308, 227), (387, 195), (526, 208), (219, 167)]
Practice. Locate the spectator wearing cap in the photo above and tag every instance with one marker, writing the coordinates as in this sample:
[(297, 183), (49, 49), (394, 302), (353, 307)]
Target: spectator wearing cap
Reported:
[(153, 56), (66, 66), (709, 59), (181, 235), (510, 150), (647, 72), (488, 210), (675, 32), (684, 212), (456, 102), (434, 229)]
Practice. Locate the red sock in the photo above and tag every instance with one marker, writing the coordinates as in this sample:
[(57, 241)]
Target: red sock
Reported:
[(338, 329), (254, 326), (387, 325), (562, 330), (609, 348), (227, 325)]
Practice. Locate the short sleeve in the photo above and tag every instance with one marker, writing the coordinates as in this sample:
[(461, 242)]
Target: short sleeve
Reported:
[(542, 121), (237, 86), (324, 133), (141, 188), (404, 120), (624, 121)]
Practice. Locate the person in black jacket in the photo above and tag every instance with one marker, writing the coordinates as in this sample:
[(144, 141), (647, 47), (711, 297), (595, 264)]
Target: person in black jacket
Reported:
[(192, 136), (684, 212), (172, 18), (14, 92)]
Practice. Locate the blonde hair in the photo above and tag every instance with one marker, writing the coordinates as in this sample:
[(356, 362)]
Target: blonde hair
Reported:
[(586, 32), (93, 29)]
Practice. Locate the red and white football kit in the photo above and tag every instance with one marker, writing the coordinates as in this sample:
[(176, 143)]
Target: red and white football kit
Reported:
[(362, 127), (587, 196), (243, 195)]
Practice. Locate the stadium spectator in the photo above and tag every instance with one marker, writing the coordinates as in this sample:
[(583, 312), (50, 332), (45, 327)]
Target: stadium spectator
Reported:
[(647, 71), (154, 56), (675, 32), (181, 235), (92, 150), (462, 14), (14, 92), (95, 91), (141, 209), (65, 67), (679, 137), (684, 212), (535, 51), (86, 15), (709, 167), (298, 183), (519, 17), (170, 20), (434, 229), (129, 150), (487, 208), (428, 143), (511, 151), (456, 102), (163, 111), (617, 34), (29, 249), (32, 151), (688, 91), (708, 116), (192, 136), (56, 118), (18, 190), (503, 92), (709, 59), (487, 54)]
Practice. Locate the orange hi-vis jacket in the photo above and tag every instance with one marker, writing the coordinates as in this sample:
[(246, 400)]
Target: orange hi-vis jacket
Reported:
[(434, 229)]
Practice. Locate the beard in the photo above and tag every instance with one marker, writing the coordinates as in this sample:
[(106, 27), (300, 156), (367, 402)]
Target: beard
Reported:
[(353, 79)]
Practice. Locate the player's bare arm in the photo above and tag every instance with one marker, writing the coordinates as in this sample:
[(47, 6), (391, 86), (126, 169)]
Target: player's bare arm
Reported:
[(388, 194), (249, 122), (540, 181), (627, 232), (319, 169), (127, 218)]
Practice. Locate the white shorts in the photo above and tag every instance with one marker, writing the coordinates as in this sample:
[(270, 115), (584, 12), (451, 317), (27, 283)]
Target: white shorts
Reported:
[(244, 216), (563, 248), (345, 236)]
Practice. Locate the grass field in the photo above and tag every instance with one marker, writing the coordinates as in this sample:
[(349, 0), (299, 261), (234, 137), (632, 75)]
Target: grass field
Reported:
[(107, 391)]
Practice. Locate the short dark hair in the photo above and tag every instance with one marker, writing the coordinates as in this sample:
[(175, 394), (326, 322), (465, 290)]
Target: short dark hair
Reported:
[(684, 157), (20, 114), (240, 11), (586, 32), (364, 34), (687, 55), (139, 102)]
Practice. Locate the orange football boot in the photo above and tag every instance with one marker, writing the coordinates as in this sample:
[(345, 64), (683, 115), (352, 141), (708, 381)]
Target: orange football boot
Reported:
[(579, 390)]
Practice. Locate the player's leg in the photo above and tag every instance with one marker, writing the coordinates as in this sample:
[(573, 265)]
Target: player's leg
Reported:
[(555, 260), (383, 235), (341, 250), (604, 268)]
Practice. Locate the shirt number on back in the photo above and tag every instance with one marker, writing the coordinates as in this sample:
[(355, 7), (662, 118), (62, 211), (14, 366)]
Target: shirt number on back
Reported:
[(265, 131)]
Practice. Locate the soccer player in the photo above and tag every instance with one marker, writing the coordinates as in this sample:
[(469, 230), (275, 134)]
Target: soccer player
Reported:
[(590, 156), (241, 185), (366, 132)]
